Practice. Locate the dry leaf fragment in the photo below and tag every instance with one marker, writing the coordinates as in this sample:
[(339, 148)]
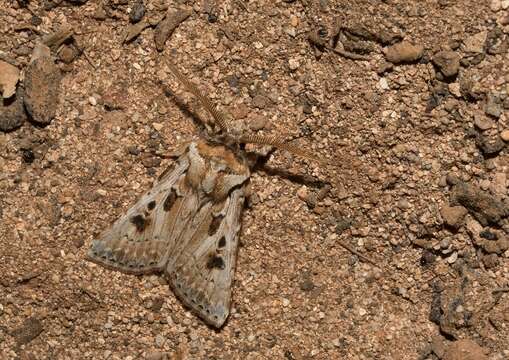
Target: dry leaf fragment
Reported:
[(134, 30), (166, 27)]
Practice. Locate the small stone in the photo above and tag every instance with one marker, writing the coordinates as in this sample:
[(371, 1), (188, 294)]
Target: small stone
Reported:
[(9, 76), (455, 89), (485, 208), (151, 162), (302, 193), (452, 259), (67, 54), (12, 112), (491, 261), (100, 12), (307, 285), (448, 62), (29, 330), (464, 350), (362, 311), (257, 122), (92, 101), (404, 52), (495, 5), (137, 11), (384, 67), (493, 106), (505, 135), (483, 123), (453, 215), (157, 126), (159, 340), (475, 43), (133, 150), (260, 101), (384, 85), (293, 64)]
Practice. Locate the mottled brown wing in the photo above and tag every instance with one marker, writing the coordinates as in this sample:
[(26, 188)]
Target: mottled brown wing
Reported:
[(139, 242), (202, 268)]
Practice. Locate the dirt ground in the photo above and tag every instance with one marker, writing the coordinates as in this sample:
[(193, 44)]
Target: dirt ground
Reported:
[(407, 100)]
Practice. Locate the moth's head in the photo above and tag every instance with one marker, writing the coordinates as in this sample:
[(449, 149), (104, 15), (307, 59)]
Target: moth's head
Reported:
[(232, 133)]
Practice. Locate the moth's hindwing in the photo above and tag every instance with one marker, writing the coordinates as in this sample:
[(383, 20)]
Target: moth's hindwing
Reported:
[(191, 232)]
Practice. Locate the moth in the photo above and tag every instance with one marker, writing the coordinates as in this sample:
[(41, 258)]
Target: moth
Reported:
[(187, 226)]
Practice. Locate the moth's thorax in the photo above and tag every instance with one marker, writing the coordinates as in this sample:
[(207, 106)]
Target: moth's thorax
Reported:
[(215, 169)]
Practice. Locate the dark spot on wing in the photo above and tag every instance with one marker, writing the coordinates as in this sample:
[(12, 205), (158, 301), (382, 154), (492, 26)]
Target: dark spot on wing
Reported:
[(215, 262), (151, 205), (222, 242), (170, 200), (214, 225), (140, 222)]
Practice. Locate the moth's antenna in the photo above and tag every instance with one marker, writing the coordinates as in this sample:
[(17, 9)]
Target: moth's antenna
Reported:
[(219, 117), (280, 144)]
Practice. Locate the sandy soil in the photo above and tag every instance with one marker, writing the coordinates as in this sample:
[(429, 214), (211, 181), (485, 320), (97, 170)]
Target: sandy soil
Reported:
[(415, 134)]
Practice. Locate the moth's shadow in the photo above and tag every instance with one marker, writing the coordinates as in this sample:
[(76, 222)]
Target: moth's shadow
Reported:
[(302, 179), (198, 122)]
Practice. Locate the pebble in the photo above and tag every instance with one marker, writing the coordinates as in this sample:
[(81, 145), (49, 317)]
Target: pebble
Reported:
[(505, 135), (453, 215), (12, 112), (302, 193), (452, 259), (475, 43), (384, 67), (464, 349), (29, 330), (159, 340), (403, 52), (493, 106), (67, 55), (260, 101), (448, 62), (9, 76), (482, 122), (384, 85), (257, 122), (157, 126), (137, 11), (455, 89), (293, 64), (495, 5)]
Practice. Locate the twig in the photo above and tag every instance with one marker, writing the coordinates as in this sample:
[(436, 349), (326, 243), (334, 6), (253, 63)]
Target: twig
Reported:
[(500, 290), (355, 252), (320, 43)]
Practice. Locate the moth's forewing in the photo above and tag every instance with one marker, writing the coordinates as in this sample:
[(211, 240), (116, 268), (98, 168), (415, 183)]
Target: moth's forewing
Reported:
[(139, 240), (187, 225)]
